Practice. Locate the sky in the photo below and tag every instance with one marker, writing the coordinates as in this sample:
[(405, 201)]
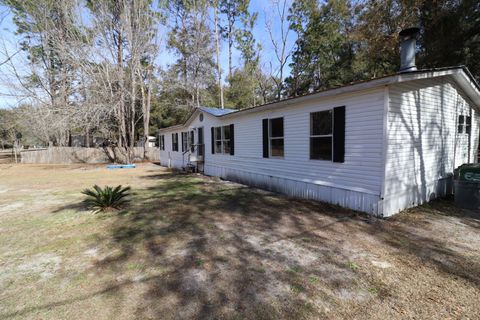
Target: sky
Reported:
[(9, 41)]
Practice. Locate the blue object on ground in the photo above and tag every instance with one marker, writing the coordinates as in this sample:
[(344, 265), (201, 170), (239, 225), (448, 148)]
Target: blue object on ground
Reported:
[(121, 166)]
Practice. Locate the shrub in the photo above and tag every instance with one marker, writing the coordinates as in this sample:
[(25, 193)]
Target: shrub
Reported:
[(106, 199)]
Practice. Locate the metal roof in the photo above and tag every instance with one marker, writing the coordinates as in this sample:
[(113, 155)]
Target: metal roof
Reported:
[(216, 111)]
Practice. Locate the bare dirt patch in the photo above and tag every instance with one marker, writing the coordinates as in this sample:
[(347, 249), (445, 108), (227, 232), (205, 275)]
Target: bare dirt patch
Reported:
[(192, 247)]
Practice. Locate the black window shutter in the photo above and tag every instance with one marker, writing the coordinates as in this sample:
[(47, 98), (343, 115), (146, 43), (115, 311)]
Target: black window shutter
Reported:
[(339, 134), (265, 138), (173, 141), (182, 143), (213, 140), (232, 140), (192, 141)]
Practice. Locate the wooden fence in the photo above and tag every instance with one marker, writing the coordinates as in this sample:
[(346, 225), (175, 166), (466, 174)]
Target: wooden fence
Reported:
[(68, 155), (8, 156)]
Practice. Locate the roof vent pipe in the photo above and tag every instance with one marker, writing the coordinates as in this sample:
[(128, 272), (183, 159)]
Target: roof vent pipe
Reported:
[(408, 43)]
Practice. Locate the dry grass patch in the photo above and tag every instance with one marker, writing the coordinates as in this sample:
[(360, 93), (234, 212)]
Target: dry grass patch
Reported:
[(193, 247)]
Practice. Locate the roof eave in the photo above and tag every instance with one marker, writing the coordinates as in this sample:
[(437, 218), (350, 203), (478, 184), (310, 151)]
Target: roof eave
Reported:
[(468, 84)]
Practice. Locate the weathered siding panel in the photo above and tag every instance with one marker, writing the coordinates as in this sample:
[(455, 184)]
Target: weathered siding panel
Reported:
[(423, 145)]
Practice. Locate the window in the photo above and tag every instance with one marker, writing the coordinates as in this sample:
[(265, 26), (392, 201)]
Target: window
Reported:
[(461, 123), (276, 139), (218, 139), (223, 137), (161, 141), (464, 124), (226, 139), (174, 141), (321, 135), (184, 141), (201, 147), (327, 135), (191, 141)]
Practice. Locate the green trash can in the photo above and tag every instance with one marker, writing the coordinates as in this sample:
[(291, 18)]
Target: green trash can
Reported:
[(469, 172), (467, 186)]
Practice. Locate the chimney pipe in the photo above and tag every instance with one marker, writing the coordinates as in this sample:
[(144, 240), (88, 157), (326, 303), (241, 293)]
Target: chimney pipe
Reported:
[(408, 43)]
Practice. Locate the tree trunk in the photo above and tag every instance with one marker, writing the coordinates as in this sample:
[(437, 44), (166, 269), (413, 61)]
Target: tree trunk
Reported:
[(87, 137), (132, 108), (219, 69), (146, 112), (121, 107), (230, 45)]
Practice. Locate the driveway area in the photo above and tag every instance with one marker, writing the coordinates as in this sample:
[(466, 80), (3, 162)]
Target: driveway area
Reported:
[(195, 247)]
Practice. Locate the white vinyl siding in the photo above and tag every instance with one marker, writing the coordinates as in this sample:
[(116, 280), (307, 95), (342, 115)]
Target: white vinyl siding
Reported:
[(170, 157), (423, 143), (361, 172), (401, 146)]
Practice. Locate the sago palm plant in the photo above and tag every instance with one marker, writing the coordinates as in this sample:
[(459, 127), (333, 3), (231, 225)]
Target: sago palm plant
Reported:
[(106, 199)]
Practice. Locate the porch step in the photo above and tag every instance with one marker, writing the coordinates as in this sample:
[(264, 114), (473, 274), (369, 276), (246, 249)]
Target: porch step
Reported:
[(190, 168)]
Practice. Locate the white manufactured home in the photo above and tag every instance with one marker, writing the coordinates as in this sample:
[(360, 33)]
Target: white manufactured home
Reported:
[(378, 146)]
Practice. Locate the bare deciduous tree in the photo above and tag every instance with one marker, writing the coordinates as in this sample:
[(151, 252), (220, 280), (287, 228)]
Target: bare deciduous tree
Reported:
[(279, 38)]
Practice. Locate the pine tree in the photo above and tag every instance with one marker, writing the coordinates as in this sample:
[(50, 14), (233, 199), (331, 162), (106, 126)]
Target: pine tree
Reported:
[(234, 10), (450, 34), (191, 39), (324, 50)]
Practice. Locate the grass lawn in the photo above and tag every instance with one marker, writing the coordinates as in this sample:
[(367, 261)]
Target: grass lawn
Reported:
[(193, 247)]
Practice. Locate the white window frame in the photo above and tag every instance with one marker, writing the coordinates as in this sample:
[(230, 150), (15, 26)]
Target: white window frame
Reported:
[(321, 135), (466, 128), (270, 138), (218, 139), (222, 139), (175, 142), (185, 141)]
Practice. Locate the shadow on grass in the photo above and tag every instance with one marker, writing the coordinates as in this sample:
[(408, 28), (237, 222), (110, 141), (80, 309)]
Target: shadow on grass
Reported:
[(219, 233), (418, 238), (222, 247), (230, 251)]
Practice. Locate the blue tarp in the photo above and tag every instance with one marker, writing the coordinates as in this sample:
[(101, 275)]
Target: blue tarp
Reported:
[(121, 166)]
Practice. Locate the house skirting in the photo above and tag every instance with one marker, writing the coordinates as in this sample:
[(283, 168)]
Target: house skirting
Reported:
[(416, 195), (356, 200)]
